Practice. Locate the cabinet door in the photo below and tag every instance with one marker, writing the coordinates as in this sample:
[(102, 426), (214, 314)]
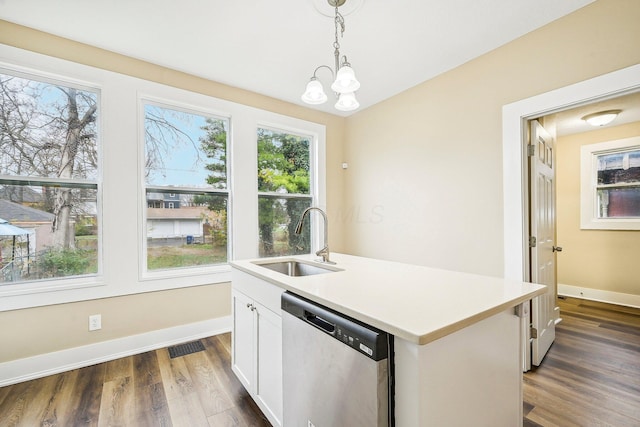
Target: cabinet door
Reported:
[(269, 370), (243, 349)]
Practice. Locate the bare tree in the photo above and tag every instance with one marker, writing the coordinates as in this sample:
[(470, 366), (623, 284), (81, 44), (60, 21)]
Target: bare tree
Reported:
[(163, 135), (76, 132), (48, 130)]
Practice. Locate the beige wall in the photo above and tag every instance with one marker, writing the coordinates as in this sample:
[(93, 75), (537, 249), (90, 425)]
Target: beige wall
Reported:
[(597, 259), (425, 167), (46, 329), (424, 183), (57, 327)]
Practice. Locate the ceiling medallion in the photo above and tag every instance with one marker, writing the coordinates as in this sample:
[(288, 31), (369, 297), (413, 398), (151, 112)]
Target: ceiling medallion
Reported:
[(327, 7)]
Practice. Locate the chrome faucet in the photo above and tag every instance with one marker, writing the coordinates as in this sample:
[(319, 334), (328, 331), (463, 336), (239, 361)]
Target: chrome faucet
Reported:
[(324, 252)]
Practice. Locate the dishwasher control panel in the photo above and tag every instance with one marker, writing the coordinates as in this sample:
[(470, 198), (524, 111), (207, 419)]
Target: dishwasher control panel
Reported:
[(353, 341), (363, 338)]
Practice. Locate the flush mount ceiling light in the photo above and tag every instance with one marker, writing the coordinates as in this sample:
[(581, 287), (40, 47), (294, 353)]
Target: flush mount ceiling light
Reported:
[(345, 83), (601, 118)]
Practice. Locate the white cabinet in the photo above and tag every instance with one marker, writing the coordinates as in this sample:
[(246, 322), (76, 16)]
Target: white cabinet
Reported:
[(243, 339), (269, 363), (257, 342)]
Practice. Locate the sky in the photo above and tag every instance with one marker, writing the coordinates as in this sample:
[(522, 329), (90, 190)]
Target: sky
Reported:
[(182, 160)]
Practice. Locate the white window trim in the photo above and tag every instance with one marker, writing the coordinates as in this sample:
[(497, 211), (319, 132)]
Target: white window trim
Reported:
[(316, 176), (245, 203), (192, 103), (24, 290), (589, 219), (123, 201)]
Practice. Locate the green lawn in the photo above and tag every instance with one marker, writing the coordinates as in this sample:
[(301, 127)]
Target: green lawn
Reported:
[(163, 257)]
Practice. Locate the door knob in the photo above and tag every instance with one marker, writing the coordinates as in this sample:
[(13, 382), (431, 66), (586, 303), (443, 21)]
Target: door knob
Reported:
[(557, 249)]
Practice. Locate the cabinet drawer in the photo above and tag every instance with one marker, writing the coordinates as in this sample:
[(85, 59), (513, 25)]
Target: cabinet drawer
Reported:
[(263, 292)]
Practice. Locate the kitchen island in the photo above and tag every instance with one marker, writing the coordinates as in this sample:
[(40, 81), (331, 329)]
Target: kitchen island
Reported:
[(457, 335)]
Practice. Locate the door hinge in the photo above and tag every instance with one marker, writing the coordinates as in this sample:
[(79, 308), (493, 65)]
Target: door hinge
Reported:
[(534, 333), (532, 241), (531, 150)]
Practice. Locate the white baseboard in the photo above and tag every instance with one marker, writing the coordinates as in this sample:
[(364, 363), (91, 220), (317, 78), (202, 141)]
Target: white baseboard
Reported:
[(600, 295), (42, 365)]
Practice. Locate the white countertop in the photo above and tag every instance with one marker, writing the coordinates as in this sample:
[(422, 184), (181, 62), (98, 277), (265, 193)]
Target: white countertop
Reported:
[(418, 304)]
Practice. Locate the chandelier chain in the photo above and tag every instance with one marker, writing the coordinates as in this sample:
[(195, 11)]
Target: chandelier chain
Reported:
[(339, 23)]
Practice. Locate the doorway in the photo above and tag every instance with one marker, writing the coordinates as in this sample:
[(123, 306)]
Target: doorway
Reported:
[(514, 118), (517, 261)]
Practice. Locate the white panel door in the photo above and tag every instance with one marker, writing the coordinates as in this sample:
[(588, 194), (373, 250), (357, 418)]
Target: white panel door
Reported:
[(543, 257)]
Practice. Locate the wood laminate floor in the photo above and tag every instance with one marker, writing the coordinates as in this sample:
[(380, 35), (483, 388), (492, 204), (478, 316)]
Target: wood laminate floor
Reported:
[(591, 374), (145, 390), (590, 377)]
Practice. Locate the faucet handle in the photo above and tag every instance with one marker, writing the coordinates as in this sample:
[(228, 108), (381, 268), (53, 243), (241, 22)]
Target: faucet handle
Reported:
[(324, 253)]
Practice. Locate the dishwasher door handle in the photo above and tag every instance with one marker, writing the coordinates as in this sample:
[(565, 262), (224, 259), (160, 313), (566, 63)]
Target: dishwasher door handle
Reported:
[(319, 322)]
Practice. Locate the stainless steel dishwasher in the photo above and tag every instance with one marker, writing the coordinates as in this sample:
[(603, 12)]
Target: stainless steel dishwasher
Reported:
[(337, 371)]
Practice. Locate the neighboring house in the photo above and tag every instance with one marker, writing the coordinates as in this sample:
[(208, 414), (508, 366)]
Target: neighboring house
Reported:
[(31, 219), (23, 195), (171, 223), (163, 200), (85, 207)]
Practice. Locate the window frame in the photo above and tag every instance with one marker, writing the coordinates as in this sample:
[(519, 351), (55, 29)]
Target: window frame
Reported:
[(245, 143), (589, 218), (195, 109), (62, 282), (121, 195), (313, 177)]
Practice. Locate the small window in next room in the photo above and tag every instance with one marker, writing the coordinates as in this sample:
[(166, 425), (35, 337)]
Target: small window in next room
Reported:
[(611, 185), (186, 192), (284, 191), (49, 178)]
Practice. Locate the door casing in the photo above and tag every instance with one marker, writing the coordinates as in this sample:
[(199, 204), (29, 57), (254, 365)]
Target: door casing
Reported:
[(515, 118), (514, 131)]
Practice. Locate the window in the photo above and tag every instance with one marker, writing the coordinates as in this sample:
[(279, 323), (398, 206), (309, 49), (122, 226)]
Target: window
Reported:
[(137, 147), (48, 179), (611, 185), (284, 192), (186, 188)]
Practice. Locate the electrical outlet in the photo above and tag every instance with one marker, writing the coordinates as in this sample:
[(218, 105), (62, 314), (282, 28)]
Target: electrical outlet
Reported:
[(95, 322)]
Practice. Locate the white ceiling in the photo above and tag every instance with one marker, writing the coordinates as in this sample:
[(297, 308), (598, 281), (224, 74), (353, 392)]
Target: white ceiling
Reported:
[(272, 47)]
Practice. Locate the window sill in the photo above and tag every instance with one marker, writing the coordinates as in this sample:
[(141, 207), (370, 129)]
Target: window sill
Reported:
[(610, 224), (64, 291), (194, 276)]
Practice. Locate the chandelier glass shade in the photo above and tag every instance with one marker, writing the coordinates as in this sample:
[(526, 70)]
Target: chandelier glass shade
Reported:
[(347, 102), (345, 82), (314, 94)]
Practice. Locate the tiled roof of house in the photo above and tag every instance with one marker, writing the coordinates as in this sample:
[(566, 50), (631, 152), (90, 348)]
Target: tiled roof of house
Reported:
[(25, 194), (15, 212)]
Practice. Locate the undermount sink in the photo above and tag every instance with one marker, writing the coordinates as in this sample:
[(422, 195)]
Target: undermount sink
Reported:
[(295, 268)]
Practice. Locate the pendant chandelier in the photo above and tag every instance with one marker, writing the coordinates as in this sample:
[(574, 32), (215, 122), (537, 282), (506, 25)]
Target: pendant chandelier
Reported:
[(345, 83)]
